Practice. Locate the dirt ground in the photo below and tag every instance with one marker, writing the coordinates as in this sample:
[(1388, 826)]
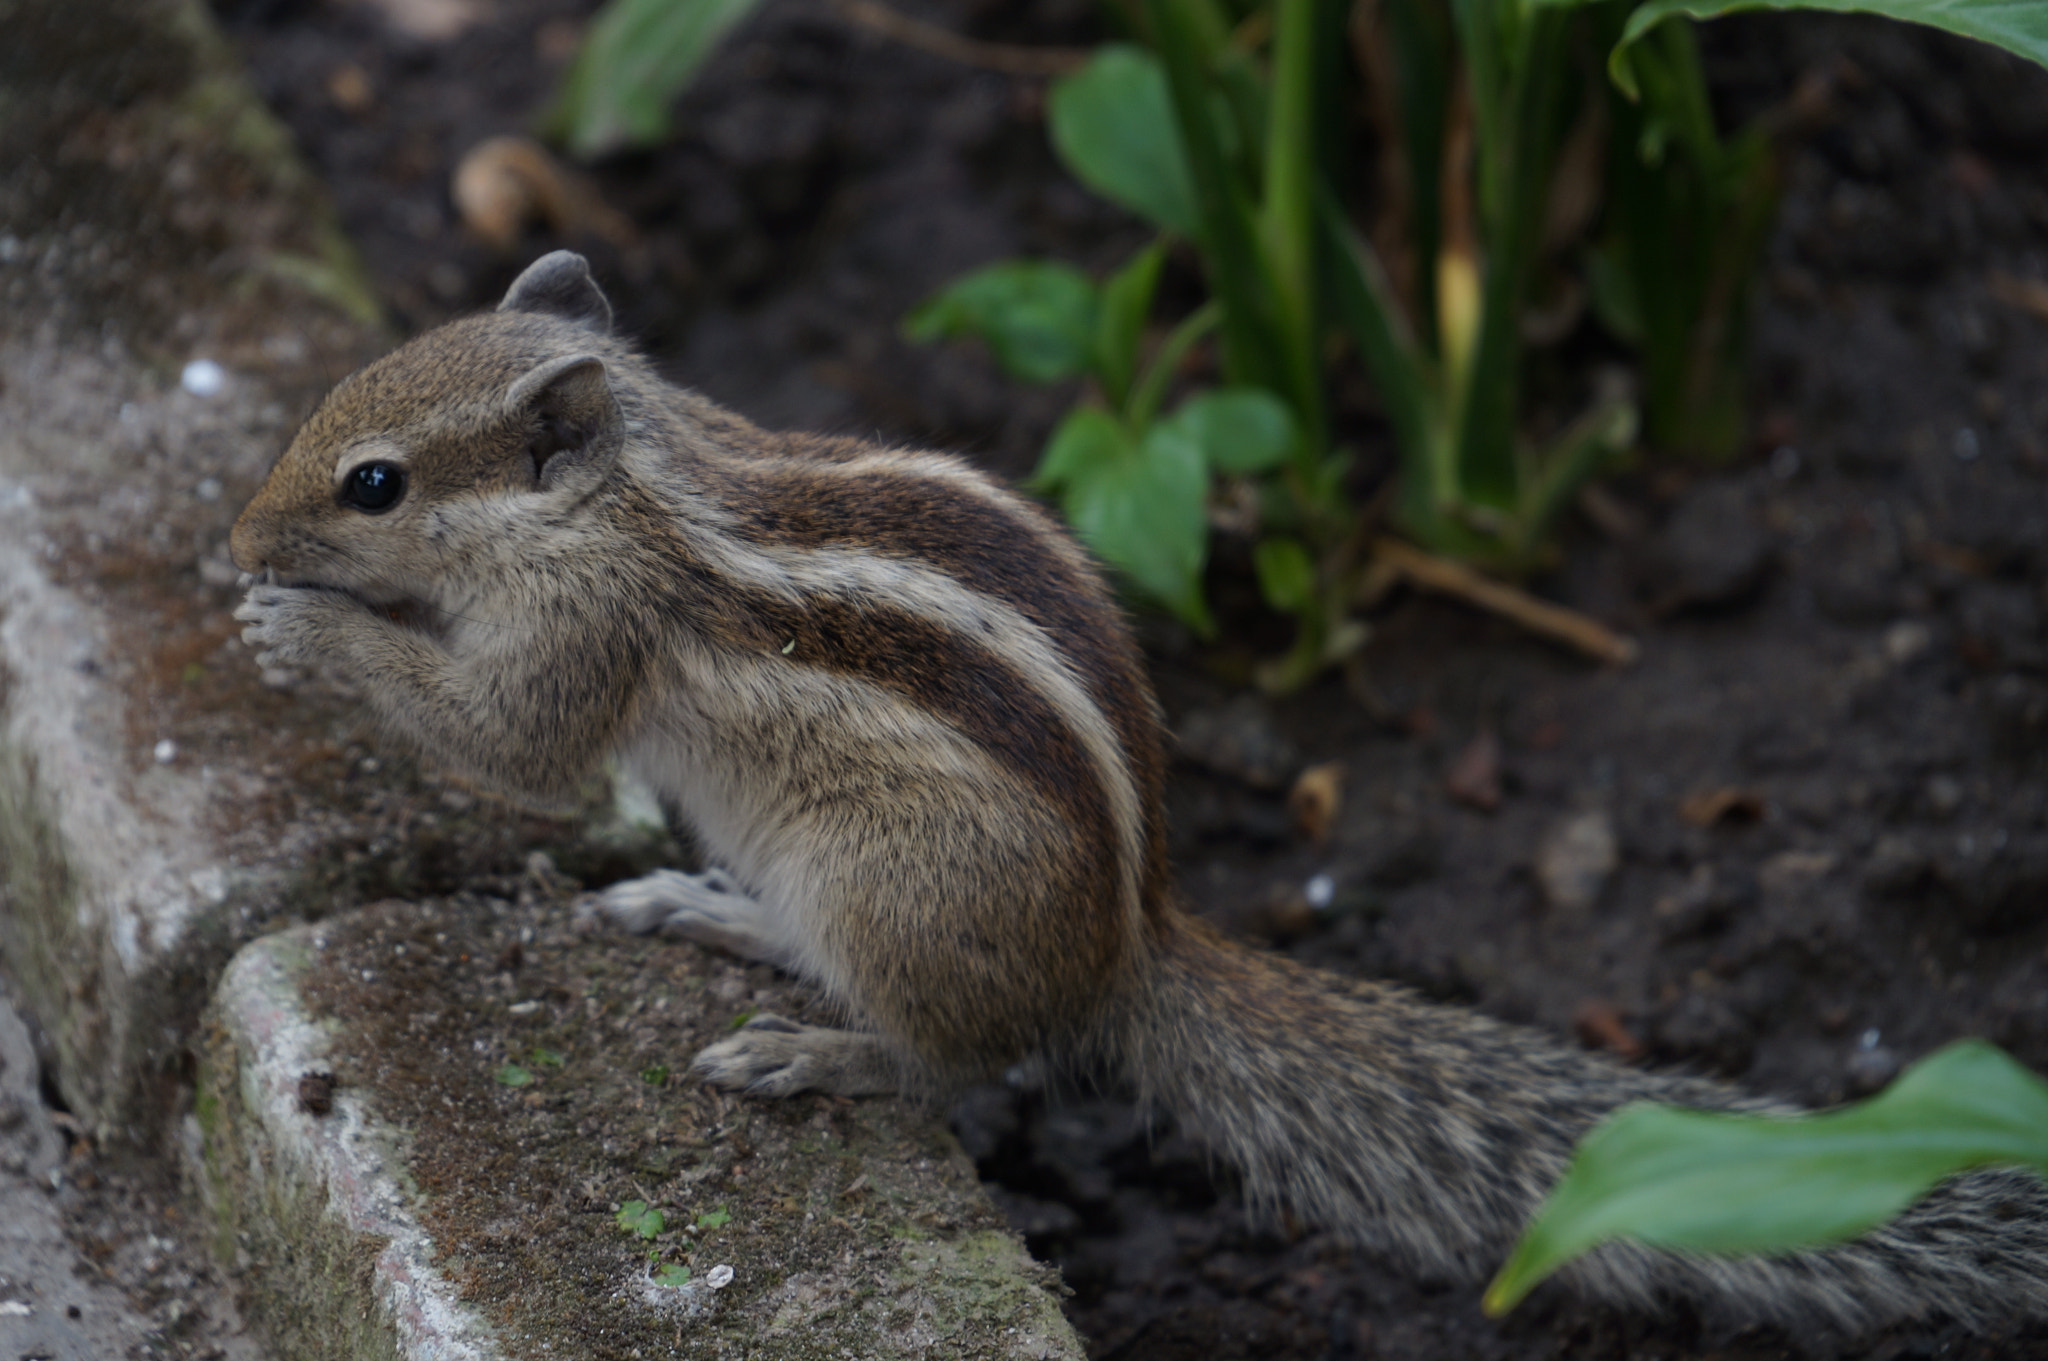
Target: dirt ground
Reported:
[(1844, 635)]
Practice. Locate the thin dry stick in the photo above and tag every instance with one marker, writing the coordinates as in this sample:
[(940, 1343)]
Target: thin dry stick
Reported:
[(1555, 622), (1008, 58)]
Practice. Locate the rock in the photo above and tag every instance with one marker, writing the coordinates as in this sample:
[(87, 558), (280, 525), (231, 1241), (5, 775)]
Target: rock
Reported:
[(1474, 777), (1575, 859), (1713, 554), (1239, 739)]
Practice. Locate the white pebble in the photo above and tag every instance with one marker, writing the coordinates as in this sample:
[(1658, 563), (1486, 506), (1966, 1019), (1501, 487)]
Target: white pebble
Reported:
[(719, 1277), (203, 378), (166, 752), (1321, 891), (209, 489)]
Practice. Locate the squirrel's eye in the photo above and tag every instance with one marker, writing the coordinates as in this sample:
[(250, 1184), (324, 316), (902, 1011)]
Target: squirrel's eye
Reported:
[(373, 487)]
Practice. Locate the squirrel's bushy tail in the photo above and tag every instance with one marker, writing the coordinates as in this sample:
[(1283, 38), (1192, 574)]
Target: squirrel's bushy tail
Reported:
[(1434, 1133)]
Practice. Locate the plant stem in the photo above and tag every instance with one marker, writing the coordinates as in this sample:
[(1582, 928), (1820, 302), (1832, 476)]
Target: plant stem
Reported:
[(1150, 390), (1289, 216)]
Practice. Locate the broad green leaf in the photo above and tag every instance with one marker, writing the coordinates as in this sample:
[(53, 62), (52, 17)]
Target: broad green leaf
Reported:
[(672, 1276), (1140, 505), (2018, 26), (1239, 430), (1036, 316), (636, 1216), (512, 1075), (637, 57), (1716, 1183), (1120, 322), (1112, 124), (1087, 436), (714, 1219), (1287, 578)]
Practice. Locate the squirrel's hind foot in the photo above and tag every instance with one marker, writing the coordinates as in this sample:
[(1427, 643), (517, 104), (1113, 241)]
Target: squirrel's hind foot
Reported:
[(773, 1056)]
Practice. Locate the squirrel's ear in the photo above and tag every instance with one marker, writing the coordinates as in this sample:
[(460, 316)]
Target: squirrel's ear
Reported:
[(575, 428), (560, 285)]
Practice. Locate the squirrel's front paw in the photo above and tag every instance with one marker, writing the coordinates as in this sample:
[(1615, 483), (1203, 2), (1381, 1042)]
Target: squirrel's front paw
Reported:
[(293, 626)]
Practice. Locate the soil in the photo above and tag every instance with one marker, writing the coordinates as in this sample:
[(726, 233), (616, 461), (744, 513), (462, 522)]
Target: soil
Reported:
[(1822, 782)]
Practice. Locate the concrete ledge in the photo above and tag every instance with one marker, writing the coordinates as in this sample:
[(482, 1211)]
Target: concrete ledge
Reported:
[(502, 1084)]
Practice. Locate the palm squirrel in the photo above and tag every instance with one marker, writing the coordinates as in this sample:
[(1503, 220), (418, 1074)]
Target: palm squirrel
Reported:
[(911, 730)]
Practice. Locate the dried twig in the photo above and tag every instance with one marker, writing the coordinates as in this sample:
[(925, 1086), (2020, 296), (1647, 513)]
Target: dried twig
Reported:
[(2029, 295), (1009, 58), (1554, 622)]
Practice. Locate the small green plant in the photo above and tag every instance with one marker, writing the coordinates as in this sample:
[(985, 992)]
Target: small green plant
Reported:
[(672, 1275), (549, 1058), (637, 1217), (1223, 132), (512, 1075), (714, 1219), (655, 1076), (1695, 1181)]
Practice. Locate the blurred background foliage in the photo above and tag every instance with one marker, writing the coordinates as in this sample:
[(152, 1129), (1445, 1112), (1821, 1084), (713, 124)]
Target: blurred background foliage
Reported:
[(1533, 162)]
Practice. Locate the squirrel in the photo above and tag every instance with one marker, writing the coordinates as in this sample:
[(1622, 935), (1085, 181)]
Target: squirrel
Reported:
[(906, 719)]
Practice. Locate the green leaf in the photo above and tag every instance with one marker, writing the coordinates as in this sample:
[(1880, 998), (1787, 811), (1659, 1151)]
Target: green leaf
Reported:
[(1287, 577), (672, 1276), (636, 1216), (550, 1058), (1086, 436), (714, 1219), (1037, 316), (655, 1076), (1140, 505), (1112, 124), (1241, 430), (1714, 1183), (512, 1075), (637, 57), (1120, 322), (2018, 26)]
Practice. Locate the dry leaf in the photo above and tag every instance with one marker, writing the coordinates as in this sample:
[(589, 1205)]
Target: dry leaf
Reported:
[(1474, 778), (1599, 1026), (1317, 795), (1712, 807), (503, 184)]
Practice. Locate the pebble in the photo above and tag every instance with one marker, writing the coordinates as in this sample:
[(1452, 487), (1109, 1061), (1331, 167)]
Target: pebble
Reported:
[(166, 751), (203, 378), (1871, 1065), (1576, 858), (1906, 640)]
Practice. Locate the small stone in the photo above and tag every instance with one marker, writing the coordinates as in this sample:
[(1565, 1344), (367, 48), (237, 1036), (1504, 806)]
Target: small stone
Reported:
[(1575, 859), (1714, 554), (1906, 640), (203, 378), (1240, 739), (1871, 1069), (719, 1277), (1944, 795), (1474, 777), (165, 752)]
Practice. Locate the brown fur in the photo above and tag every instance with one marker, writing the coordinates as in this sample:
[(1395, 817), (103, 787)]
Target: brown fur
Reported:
[(905, 715)]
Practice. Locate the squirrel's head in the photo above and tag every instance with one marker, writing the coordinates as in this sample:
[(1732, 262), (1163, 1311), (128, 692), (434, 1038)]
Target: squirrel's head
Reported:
[(433, 458)]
